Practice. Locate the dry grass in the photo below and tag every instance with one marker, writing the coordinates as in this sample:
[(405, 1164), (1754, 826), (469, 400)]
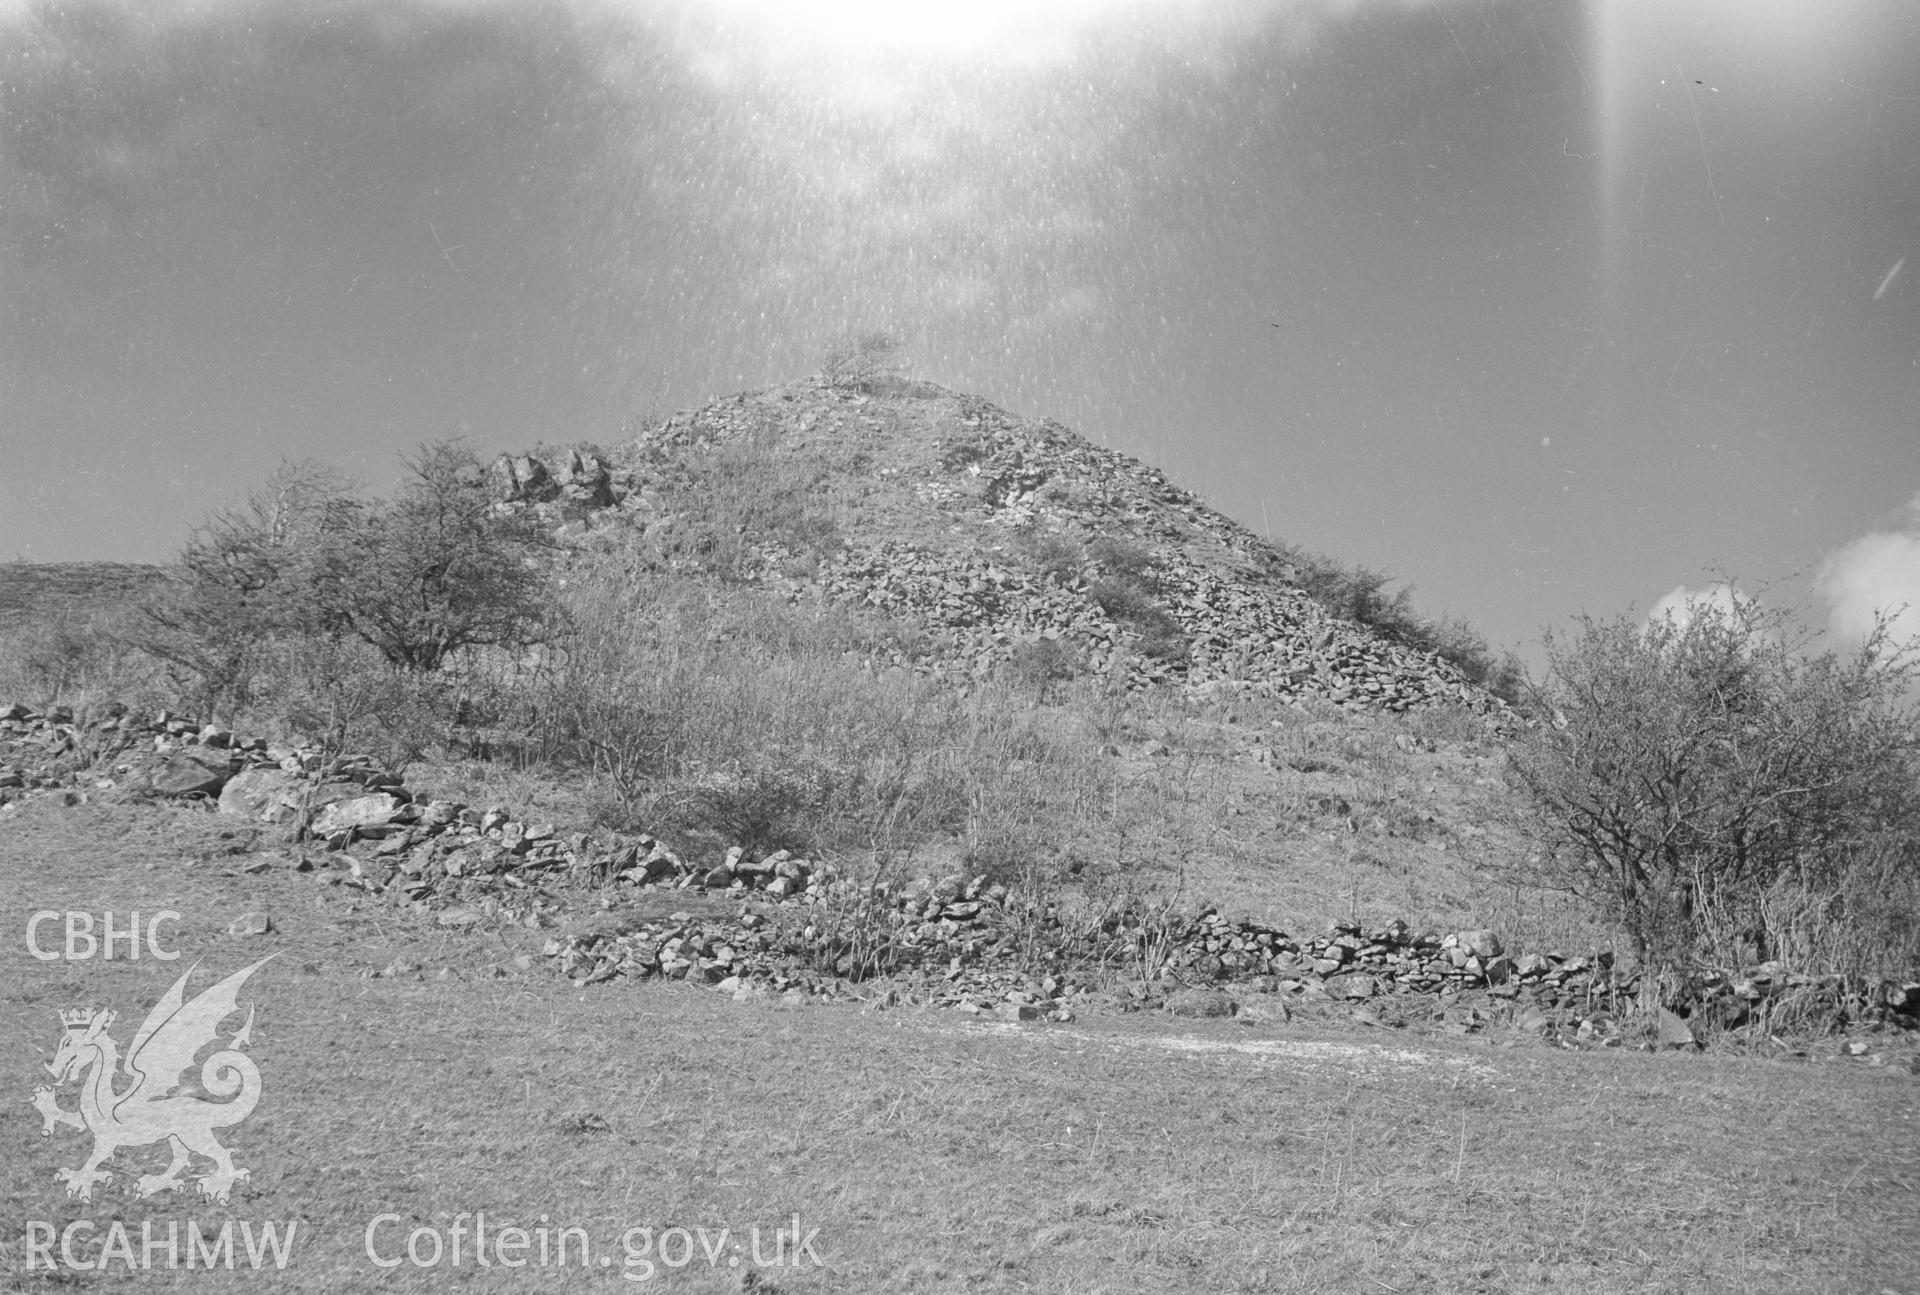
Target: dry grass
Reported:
[(933, 1153), (713, 715)]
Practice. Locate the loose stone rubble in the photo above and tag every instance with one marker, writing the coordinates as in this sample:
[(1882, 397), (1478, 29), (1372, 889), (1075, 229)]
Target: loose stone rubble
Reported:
[(785, 925), (983, 485)]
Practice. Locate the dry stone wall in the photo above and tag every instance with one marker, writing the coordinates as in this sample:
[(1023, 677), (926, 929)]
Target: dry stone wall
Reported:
[(781, 924)]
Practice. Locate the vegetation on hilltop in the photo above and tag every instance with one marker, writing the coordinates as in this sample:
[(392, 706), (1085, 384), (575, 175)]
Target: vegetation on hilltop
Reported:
[(1361, 594)]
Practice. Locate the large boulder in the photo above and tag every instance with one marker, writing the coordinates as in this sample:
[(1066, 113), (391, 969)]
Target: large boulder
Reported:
[(193, 773), (264, 795)]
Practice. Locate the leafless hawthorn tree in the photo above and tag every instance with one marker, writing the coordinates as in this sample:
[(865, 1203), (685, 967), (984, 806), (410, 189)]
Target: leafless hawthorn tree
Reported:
[(1725, 795)]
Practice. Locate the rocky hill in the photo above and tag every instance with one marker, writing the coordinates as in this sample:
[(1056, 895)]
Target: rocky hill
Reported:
[(1000, 541)]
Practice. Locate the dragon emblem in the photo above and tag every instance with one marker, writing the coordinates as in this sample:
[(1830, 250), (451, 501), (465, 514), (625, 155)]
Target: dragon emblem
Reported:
[(157, 1106)]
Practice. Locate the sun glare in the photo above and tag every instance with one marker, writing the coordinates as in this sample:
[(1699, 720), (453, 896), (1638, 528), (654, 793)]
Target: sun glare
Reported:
[(1014, 29), (994, 32)]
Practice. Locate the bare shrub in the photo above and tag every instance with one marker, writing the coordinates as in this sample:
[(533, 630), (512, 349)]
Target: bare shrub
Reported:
[(851, 930), (1122, 560), (1054, 557), (1130, 601), (262, 597), (1724, 796), (1040, 664), (341, 695), (433, 572), (1361, 594), (764, 807), (70, 657), (240, 582), (864, 361)]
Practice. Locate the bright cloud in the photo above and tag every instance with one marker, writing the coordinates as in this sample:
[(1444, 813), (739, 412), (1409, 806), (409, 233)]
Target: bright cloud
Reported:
[(1877, 574)]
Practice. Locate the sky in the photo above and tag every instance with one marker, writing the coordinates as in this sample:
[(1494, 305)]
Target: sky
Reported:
[(1545, 307)]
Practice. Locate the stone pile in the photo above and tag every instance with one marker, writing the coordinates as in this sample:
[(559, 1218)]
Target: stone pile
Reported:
[(977, 491), (980, 613)]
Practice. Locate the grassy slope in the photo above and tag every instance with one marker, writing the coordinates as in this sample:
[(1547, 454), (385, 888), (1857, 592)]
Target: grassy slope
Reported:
[(934, 1153)]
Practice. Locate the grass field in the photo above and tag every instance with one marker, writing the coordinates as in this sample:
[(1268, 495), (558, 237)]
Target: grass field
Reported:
[(417, 1073)]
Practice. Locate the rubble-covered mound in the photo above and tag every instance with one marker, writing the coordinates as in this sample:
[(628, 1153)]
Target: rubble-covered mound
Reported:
[(999, 540)]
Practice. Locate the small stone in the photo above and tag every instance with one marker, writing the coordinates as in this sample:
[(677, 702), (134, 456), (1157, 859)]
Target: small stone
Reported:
[(1673, 1032), (250, 924), (1263, 1009), (1200, 1003), (376, 810), (1352, 987), (1532, 1020), (459, 917)]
